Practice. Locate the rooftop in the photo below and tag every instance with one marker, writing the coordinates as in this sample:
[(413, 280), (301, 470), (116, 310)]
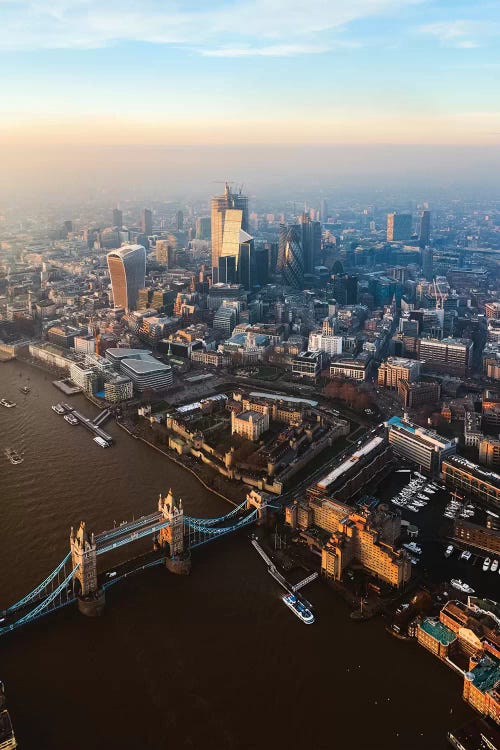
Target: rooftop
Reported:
[(486, 674), (437, 630), (364, 450)]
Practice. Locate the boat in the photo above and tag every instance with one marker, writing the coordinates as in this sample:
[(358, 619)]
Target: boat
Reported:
[(24, 389), (490, 513), (8, 404), (466, 555), (461, 586), (494, 566), (58, 408), (71, 419), (448, 551), (423, 497), (486, 564), (100, 441), (13, 456), (413, 548), (299, 609), (111, 574), (420, 476)]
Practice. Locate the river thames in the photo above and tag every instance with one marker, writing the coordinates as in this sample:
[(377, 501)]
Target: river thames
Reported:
[(213, 660)]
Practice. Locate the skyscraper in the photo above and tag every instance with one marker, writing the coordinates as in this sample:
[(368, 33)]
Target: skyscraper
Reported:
[(290, 255), (399, 227), (324, 211), (127, 271), (203, 228), (311, 242), (147, 222), (425, 228), (345, 289), (117, 218), (180, 221), (220, 204), (236, 258), (427, 262)]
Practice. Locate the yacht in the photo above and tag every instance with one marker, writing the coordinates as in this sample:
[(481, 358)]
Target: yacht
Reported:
[(100, 441), (58, 408), (24, 389), (71, 419), (461, 586), (486, 564), (448, 550), (494, 566), (466, 555), (8, 404)]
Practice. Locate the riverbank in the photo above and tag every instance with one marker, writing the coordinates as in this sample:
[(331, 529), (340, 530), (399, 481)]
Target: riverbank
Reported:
[(179, 463)]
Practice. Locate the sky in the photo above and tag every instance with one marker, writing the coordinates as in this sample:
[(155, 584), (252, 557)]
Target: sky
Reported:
[(159, 72)]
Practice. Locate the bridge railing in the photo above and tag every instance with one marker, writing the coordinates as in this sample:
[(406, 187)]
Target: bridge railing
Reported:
[(37, 592)]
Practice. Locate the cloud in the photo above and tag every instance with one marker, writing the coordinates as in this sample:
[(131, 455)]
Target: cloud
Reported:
[(282, 27), (461, 33)]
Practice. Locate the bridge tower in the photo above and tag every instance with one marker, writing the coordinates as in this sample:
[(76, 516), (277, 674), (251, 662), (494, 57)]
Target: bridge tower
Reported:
[(84, 554), (258, 500), (179, 560)]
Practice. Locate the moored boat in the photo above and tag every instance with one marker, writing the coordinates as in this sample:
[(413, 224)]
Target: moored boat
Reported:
[(299, 609), (461, 586)]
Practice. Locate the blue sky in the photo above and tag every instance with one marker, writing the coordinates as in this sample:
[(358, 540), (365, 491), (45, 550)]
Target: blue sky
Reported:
[(415, 71)]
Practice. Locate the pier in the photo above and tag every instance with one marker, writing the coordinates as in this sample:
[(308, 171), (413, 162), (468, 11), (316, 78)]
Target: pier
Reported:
[(92, 426)]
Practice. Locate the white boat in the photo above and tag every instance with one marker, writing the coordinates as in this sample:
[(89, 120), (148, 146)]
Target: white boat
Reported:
[(461, 586), (418, 474), (111, 574), (490, 513), (72, 420), (486, 564), (494, 566), (100, 441), (414, 548), (8, 404), (299, 609), (466, 555), (423, 497), (58, 408), (14, 456), (448, 550)]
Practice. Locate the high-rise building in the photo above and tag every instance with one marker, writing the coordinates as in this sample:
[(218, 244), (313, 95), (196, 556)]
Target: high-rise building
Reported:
[(203, 228), (180, 221), (448, 355), (419, 445), (117, 218), (291, 256), (324, 211), (425, 228), (345, 289), (236, 258), (127, 271), (220, 204), (311, 242), (395, 369), (147, 222), (398, 227), (165, 253), (427, 256)]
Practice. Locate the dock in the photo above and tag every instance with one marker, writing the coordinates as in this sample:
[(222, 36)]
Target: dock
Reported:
[(272, 569), (92, 426), (67, 387)]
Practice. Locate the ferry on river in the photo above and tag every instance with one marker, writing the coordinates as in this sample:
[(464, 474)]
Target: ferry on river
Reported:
[(299, 609), (13, 456), (100, 441), (461, 586), (8, 404)]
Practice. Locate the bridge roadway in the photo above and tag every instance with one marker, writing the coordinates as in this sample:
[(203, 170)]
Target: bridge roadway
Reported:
[(130, 532)]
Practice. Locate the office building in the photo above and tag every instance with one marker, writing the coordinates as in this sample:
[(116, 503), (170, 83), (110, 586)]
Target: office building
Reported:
[(179, 221), (291, 256), (220, 204), (203, 228), (355, 368), (345, 288), (395, 369), (307, 365), (331, 345), (482, 687), (419, 445), (399, 227), (127, 271), (311, 242), (147, 222), (490, 409), (236, 258), (489, 452), (166, 253), (117, 218), (471, 479), (425, 228), (225, 319), (449, 355), (427, 255), (421, 393), (141, 368)]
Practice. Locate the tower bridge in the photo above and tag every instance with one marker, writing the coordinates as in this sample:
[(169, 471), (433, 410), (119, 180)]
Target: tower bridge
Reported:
[(174, 534)]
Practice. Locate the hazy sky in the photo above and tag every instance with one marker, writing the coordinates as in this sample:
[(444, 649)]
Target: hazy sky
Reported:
[(97, 72)]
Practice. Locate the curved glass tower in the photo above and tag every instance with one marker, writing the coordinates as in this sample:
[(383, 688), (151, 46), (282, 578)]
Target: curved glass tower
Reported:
[(127, 270), (291, 255)]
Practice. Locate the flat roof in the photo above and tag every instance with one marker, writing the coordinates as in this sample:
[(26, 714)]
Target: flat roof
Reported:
[(437, 630), (486, 674), (280, 397), (463, 463)]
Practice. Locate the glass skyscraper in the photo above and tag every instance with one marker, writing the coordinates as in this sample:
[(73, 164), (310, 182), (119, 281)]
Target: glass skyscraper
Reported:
[(127, 271), (291, 256), (220, 205)]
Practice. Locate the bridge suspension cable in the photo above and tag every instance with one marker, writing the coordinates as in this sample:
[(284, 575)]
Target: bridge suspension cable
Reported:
[(35, 594), (214, 521)]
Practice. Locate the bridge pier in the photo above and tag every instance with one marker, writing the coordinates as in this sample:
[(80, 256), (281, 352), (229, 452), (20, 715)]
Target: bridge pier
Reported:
[(179, 564), (92, 605)]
